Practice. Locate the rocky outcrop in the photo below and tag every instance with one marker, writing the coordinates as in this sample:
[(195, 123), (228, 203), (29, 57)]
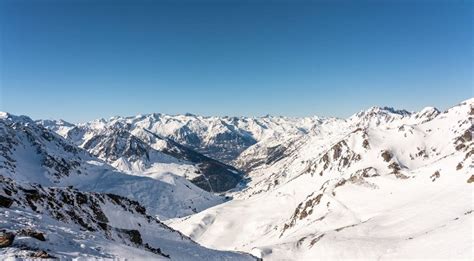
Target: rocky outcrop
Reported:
[(85, 209), (5, 202), (42, 254), (303, 210), (386, 155), (29, 232), (435, 176), (471, 179), (6, 238), (339, 156)]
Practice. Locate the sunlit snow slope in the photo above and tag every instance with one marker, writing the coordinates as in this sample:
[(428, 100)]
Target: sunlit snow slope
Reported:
[(30, 153), (383, 184), (59, 201)]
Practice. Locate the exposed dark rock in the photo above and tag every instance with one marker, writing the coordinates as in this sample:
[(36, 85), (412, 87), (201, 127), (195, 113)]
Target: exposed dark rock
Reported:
[(471, 179), (340, 155), (365, 144), (325, 160), (342, 228), (275, 154), (422, 153), (132, 234), (386, 155), (435, 176), (32, 233), (469, 154), (303, 210), (42, 254), (395, 167), (368, 172), (5, 202), (155, 250), (462, 141), (467, 135), (340, 183), (103, 225), (315, 240), (6, 238), (81, 198), (460, 146), (337, 149)]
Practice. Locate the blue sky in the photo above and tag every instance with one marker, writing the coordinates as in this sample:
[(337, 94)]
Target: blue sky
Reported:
[(81, 60)]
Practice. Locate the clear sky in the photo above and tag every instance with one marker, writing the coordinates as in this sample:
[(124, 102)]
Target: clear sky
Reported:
[(81, 60)]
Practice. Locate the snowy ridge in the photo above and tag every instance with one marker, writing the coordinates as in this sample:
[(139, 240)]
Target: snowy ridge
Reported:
[(59, 201), (382, 184), (66, 223), (29, 153), (221, 138), (139, 151), (365, 187)]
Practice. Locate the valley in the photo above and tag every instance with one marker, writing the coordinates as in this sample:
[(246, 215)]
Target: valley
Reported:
[(381, 184)]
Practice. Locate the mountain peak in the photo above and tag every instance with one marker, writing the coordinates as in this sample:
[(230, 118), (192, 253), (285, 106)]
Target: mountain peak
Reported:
[(376, 115), (3, 115), (16, 118), (385, 109)]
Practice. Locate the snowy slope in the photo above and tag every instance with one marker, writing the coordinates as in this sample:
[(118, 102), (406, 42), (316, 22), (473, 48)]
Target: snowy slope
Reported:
[(139, 151), (30, 153), (66, 223), (383, 184)]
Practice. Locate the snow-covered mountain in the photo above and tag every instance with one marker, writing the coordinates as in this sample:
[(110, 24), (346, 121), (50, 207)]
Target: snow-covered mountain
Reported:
[(59, 201), (221, 138), (229, 138), (139, 151), (383, 184), (30, 153), (65, 223), (271, 150)]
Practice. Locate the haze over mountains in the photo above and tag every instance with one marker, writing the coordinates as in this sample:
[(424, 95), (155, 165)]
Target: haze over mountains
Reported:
[(381, 184)]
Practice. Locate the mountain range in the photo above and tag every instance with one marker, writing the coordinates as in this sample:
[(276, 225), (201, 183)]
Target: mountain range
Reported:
[(381, 184)]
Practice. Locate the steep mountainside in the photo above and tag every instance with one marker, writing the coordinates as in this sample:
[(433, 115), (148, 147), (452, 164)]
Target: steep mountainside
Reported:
[(366, 187), (382, 184), (30, 153), (139, 151), (52, 222)]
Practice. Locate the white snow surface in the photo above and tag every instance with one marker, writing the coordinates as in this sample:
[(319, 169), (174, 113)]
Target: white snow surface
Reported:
[(67, 239), (381, 185), (33, 147), (384, 184)]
